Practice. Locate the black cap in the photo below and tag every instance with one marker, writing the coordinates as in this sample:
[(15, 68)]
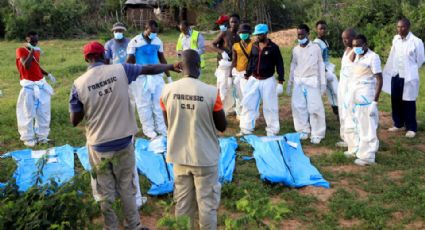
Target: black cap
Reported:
[(244, 28)]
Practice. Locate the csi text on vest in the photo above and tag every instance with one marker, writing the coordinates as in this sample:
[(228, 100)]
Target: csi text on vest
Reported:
[(187, 106), (105, 91)]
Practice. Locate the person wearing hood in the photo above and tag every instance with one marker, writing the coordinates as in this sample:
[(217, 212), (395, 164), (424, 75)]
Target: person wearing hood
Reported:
[(308, 83)]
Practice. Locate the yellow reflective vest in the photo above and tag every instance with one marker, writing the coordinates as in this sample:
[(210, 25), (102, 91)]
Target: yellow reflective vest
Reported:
[(193, 44)]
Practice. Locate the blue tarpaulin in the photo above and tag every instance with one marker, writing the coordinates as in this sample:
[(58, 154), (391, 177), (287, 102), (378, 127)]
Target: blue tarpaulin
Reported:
[(59, 166), (150, 161), (227, 161), (280, 159)]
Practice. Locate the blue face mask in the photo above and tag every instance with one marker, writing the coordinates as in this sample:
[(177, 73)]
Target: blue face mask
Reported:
[(223, 28), (302, 41), (118, 36), (244, 36), (358, 50), (152, 36)]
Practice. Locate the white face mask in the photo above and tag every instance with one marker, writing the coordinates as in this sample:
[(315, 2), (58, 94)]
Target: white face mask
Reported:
[(223, 28), (118, 35)]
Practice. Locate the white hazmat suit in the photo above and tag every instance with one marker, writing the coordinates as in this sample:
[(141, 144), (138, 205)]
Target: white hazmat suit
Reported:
[(33, 110), (307, 75)]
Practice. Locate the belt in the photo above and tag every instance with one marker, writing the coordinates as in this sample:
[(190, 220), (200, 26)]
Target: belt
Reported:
[(260, 77)]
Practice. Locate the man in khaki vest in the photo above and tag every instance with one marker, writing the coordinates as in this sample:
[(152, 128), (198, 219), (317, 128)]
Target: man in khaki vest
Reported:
[(101, 96), (193, 111)]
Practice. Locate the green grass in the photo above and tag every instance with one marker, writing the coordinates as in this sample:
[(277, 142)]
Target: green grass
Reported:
[(390, 195)]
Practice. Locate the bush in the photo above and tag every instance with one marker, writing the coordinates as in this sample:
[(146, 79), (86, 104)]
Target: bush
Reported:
[(69, 206), (50, 18)]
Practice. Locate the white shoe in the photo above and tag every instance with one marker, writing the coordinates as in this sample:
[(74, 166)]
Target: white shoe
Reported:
[(349, 154), (341, 144), (315, 140), (141, 201), (270, 134), (394, 129), (30, 143), (152, 136), (303, 136), (241, 134), (410, 134), (361, 162), (43, 141)]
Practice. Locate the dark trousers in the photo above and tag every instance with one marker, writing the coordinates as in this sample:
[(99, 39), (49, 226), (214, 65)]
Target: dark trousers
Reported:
[(403, 112)]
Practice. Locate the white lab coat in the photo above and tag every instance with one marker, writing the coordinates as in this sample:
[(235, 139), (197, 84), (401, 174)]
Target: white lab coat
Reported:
[(405, 59)]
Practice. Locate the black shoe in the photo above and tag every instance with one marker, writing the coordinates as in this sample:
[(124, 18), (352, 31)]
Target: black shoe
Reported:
[(335, 110)]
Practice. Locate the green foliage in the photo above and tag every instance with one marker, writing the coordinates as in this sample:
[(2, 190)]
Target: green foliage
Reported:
[(168, 221), (50, 18), (376, 19), (256, 209), (69, 206)]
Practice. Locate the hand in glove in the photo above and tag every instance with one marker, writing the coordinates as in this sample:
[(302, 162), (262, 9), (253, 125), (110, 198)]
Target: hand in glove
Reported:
[(169, 79), (288, 89), (373, 109), (279, 89), (225, 56), (51, 78)]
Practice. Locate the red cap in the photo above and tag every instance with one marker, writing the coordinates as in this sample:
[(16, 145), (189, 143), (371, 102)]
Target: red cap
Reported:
[(93, 48), (222, 19)]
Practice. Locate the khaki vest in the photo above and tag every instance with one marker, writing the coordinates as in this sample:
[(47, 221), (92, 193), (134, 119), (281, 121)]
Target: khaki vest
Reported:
[(103, 90), (192, 138)]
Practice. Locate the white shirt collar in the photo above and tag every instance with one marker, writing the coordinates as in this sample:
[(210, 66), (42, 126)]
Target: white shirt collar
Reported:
[(406, 38)]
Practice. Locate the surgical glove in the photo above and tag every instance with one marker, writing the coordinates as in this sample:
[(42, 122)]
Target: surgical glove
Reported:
[(169, 79), (323, 89), (279, 89), (236, 80), (373, 109), (225, 56), (52, 79), (288, 89)]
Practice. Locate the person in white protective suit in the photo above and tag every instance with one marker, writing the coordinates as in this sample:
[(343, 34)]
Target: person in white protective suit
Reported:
[(223, 44), (240, 60), (261, 85), (331, 80), (365, 88), (33, 106), (307, 78), (344, 76), (145, 49), (401, 77)]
